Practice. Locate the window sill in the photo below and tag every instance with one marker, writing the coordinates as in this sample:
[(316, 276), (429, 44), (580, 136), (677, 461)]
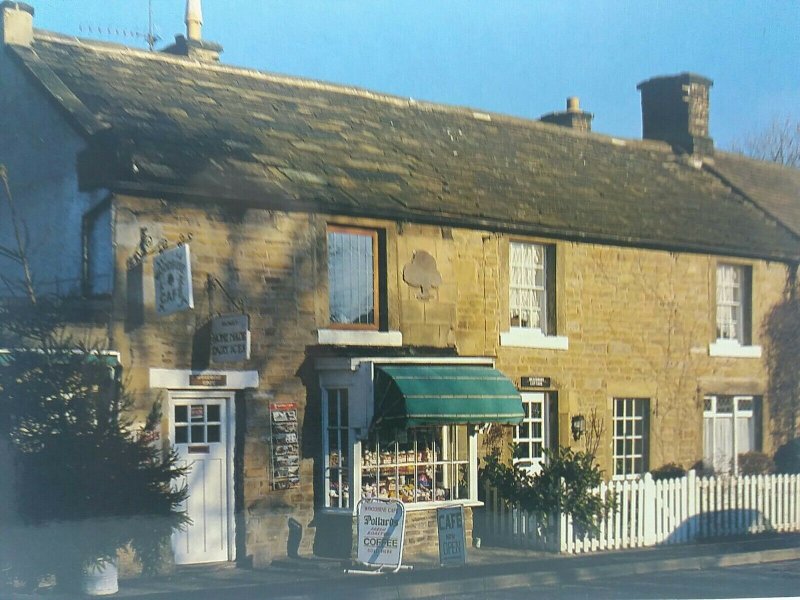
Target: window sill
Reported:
[(413, 507), (733, 349), (410, 507), (533, 338), (353, 337)]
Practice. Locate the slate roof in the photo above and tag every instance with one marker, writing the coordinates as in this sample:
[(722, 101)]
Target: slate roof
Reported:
[(171, 127), (773, 187)]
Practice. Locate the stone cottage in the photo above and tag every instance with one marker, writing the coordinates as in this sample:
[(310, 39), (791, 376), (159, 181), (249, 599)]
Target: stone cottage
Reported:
[(333, 291)]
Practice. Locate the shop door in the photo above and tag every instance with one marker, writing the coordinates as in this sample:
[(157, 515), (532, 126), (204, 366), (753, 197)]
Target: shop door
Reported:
[(200, 433)]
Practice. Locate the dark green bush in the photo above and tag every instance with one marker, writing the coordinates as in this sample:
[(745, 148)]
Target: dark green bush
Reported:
[(564, 485), (755, 463), (787, 458), (668, 471)]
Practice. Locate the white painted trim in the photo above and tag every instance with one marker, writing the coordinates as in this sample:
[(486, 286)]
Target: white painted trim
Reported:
[(733, 349), (357, 337), (523, 337), (178, 379)]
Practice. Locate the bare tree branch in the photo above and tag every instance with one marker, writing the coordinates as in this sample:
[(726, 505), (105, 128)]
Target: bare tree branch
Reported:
[(22, 256), (779, 142)]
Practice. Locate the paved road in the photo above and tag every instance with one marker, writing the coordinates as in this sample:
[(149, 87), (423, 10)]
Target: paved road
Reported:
[(769, 580)]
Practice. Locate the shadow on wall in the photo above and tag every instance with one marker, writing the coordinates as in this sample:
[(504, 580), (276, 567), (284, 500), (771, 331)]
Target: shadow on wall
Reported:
[(719, 523)]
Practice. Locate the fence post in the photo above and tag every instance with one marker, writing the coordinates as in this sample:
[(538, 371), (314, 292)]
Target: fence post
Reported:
[(649, 510), (691, 505)]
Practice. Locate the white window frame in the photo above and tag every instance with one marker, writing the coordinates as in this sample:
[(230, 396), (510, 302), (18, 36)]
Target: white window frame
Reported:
[(711, 413), (443, 458), (733, 310), (630, 435), (530, 463), (531, 336)]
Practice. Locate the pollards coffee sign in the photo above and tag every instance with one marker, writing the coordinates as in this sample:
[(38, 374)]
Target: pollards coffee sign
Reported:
[(381, 524), (230, 338), (172, 272)]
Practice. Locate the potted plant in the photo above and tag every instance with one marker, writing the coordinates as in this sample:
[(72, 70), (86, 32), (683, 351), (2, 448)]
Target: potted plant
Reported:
[(87, 482)]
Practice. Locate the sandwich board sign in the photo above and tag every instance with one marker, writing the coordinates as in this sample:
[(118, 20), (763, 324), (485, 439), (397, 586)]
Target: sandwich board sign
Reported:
[(172, 272), (452, 540), (381, 526)]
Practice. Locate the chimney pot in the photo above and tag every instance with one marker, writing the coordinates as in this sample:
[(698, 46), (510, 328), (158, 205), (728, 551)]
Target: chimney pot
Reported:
[(17, 23), (573, 117), (675, 110), (573, 104), (194, 20)]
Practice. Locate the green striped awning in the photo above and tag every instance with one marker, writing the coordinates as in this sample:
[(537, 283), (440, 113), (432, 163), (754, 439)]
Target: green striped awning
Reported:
[(419, 395)]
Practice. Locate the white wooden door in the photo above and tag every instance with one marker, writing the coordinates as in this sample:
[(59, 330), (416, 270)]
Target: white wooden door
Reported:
[(531, 436), (200, 432)]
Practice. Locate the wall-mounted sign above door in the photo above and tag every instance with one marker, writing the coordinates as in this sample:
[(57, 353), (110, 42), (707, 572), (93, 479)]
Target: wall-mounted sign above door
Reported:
[(534, 381)]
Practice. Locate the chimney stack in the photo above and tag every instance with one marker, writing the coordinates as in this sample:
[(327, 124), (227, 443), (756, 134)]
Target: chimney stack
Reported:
[(675, 110), (16, 23), (192, 45), (573, 117)]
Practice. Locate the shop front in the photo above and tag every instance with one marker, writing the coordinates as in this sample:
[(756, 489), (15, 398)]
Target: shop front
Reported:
[(407, 429)]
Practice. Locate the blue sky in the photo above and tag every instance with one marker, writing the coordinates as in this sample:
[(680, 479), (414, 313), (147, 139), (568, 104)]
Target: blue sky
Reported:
[(521, 57)]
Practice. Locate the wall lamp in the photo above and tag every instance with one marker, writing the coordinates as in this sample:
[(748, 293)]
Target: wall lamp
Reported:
[(578, 427)]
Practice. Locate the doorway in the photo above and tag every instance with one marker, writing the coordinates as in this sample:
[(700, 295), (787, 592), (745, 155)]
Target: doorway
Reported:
[(201, 431)]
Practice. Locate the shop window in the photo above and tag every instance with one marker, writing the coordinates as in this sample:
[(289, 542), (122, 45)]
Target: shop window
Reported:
[(535, 433), (631, 436), (733, 303), (417, 465), (97, 251), (731, 427), (353, 282), (336, 448)]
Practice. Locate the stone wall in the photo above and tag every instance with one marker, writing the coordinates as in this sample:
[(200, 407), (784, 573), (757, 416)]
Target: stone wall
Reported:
[(639, 323)]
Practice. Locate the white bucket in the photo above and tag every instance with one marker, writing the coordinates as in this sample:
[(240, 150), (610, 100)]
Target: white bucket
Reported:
[(100, 579)]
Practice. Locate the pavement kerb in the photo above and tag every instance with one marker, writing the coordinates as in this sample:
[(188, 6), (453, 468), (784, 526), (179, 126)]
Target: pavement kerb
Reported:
[(568, 574), (448, 582)]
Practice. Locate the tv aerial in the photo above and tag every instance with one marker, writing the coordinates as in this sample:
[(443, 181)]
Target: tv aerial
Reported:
[(150, 37)]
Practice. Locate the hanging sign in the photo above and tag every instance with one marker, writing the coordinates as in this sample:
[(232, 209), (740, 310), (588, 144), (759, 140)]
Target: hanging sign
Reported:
[(452, 539), (172, 271), (230, 338), (381, 524)]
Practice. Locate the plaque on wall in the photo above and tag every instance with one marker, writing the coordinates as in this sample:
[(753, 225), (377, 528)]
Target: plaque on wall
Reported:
[(285, 445), (534, 381)]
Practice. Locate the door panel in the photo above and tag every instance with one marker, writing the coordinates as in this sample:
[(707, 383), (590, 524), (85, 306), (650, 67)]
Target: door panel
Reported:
[(199, 432)]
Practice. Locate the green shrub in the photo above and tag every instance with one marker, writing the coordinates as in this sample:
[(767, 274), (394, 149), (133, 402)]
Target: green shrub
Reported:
[(668, 471), (755, 463), (564, 485), (787, 458)]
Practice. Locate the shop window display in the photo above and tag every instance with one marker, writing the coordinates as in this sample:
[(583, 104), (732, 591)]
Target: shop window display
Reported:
[(417, 465)]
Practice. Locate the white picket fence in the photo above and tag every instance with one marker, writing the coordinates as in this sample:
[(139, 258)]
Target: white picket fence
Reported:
[(652, 512)]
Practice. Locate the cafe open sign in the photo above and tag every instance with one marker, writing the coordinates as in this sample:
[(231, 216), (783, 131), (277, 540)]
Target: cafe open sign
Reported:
[(172, 272), (452, 540)]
